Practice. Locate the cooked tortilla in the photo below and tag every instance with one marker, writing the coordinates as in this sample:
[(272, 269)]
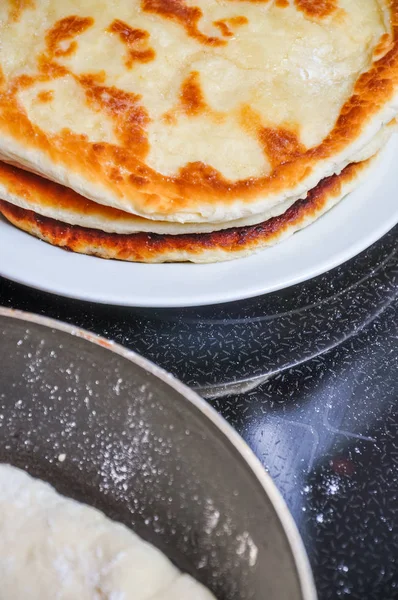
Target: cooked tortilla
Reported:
[(50, 199), (196, 111), (200, 247)]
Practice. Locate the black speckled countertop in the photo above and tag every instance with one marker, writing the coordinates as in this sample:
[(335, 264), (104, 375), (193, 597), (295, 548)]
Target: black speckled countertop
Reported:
[(324, 421)]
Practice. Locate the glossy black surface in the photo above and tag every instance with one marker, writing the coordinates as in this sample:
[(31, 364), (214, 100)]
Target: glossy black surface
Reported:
[(224, 344), (136, 448), (325, 424), (328, 433)]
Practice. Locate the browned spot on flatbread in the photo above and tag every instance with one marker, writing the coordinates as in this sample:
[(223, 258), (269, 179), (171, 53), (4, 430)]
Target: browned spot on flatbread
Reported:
[(18, 6), (45, 96), (192, 98), (64, 30), (192, 102), (223, 27), (124, 108), (129, 116), (136, 41), (280, 145), (170, 118), (226, 26), (317, 8), (183, 14)]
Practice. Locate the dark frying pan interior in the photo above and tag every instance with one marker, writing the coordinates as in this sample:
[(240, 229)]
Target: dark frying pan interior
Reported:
[(105, 431)]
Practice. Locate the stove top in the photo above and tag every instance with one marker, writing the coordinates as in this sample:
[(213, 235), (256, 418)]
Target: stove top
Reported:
[(327, 431), (323, 418), (221, 348)]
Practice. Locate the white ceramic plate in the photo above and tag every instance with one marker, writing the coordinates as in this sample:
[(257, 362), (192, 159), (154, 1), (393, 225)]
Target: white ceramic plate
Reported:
[(348, 229)]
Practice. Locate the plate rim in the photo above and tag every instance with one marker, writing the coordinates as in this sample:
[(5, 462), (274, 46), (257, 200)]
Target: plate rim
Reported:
[(105, 295)]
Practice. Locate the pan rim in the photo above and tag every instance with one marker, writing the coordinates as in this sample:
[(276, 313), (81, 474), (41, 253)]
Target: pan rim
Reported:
[(296, 545)]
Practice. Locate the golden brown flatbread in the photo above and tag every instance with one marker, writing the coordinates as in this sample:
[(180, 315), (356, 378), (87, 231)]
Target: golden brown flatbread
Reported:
[(194, 111), (200, 247)]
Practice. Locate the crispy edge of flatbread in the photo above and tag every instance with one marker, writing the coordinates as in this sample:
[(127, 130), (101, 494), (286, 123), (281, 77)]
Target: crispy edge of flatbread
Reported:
[(198, 248), (32, 192)]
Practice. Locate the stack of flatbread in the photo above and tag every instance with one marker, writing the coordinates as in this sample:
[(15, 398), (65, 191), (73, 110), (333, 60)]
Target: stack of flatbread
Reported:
[(189, 130)]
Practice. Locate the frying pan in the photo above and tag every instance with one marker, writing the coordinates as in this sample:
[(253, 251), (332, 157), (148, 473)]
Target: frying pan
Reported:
[(108, 428)]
